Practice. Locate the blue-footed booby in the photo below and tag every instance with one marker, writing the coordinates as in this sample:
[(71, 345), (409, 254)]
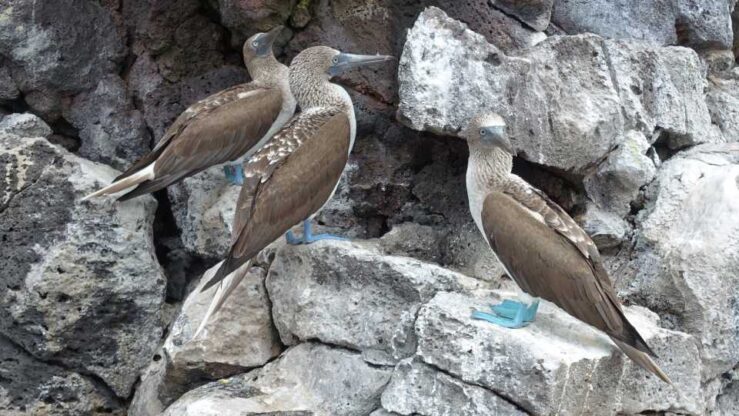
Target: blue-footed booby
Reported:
[(541, 247), (223, 127), (297, 171)]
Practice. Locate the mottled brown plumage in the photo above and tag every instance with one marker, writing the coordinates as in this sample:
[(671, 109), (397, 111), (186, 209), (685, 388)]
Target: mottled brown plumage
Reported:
[(542, 248)]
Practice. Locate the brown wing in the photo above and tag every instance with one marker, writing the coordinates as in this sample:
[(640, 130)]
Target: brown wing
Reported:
[(215, 130), (287, 181), (547, 263)]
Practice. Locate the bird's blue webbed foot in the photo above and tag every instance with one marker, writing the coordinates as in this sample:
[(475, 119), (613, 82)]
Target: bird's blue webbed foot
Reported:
[(234, 173), (509, 314), (308, 236)]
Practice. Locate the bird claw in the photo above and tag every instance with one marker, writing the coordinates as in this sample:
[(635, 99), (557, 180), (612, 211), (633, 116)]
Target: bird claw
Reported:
[(308, 236), (234, 174), (509, 314)]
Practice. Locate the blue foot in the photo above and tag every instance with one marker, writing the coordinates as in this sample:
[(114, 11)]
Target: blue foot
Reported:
[(509, 314), (308, 236), (234, 173)]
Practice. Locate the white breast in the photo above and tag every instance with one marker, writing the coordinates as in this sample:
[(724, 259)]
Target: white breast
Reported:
[(475, 196)]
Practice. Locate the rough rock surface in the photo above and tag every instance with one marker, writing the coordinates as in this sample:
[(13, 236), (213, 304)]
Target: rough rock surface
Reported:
[(699, 23), (722, 99), (688, 251), (557, 364), (447, 72), (348, 295), (82, 284), (24, 125), (308, 379)]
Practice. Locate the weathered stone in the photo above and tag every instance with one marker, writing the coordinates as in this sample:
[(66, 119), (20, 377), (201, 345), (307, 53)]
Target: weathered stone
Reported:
[(727, 403), (448, 72), (83, 286), (607, 229), (558, 364), (346, 294), (111, 131), (203, 206), (32, 387), (698, 23), (722, 99), (418, 389), (309, 379), (617, 180), (244, 18), (535, 13), (47, 104), (65, 45), (8, 90), (687, 251), (24, 125)]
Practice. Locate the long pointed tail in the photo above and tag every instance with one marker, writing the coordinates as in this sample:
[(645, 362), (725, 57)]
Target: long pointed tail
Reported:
[(143, 175), (644, 360), (224, 290)]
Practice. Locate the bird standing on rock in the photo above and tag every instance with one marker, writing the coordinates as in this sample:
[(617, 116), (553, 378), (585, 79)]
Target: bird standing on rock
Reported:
[(541, 247), (231, 124), (297, 171)]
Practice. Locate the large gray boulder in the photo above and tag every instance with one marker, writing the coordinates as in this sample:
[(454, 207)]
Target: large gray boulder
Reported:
[(698, 23), (722, 99), (346, 294), (83, 286), (568, 100), (558, 364), (687, 251), (309, 379)]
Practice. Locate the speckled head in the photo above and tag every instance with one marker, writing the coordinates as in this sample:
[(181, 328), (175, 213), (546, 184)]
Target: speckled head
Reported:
[(488, 130), (258, 48)]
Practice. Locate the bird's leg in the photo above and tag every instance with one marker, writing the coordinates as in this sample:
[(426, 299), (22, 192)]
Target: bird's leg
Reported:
[(234, 173), (308, 236)]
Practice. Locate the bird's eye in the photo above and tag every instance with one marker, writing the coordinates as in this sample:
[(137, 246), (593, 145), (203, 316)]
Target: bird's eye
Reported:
[(482, 132), (335, 60), (255, 44)]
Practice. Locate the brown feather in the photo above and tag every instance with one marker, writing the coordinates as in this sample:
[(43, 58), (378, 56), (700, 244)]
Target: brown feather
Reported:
[(552, 260), (215, 130), (287, 181)]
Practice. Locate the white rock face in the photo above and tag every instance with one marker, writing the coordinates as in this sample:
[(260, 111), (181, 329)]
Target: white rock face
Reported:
[(688, 251), (84, 288), (309, 379), (24, 125), (418, 389), (349, 295), (568, 100), (203, 207), (722, 99), (557, 365)]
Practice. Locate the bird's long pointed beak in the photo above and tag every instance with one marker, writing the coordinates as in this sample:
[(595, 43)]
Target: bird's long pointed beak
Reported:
[(500, 139), (272, 35), (346, 61)]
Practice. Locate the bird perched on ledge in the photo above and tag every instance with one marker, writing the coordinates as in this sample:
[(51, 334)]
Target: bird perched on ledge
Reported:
[(541, 247), (226, 126), (297, 171)]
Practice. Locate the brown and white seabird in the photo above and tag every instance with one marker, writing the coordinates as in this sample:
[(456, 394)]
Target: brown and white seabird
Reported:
[(297, 171), (226, 126), (541, 247)]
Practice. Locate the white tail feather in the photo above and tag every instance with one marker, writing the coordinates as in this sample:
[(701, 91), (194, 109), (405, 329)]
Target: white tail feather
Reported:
[(144, 174), (223, 291)]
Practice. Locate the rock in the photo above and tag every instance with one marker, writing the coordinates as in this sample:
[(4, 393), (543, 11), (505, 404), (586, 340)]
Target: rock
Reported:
[(82, 284), (698, 23), (239, 337), (24, 125), (244, 18), (558, 364), (203, 206), (8, 90), (686, 253), (722, 99), (728, 402), (607, 229), (46, 104), (448, 72), (32, 387), (346, 294), (64, 46), (308, 379), (419, 389), (617, 180), (111, 131), (534, 13)]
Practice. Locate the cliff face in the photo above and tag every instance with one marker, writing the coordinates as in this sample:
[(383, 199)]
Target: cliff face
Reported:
[(625, 113)]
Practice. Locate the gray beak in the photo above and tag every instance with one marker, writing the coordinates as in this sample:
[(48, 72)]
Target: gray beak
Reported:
[(498, 137), (266, 40), (344, 61)]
